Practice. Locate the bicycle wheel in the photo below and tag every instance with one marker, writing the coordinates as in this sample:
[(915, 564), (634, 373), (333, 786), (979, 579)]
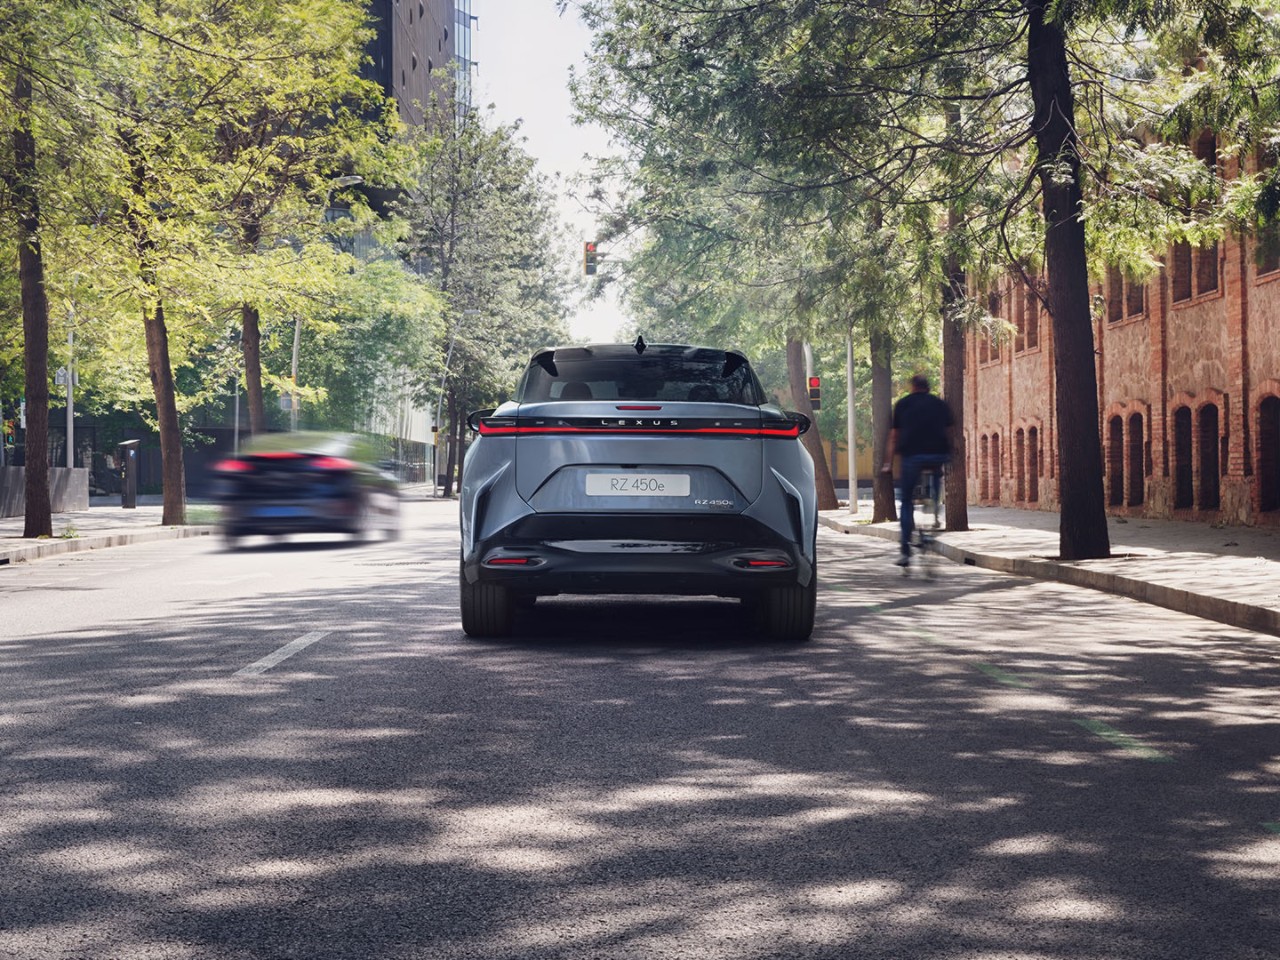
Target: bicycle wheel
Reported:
[(928, 553)]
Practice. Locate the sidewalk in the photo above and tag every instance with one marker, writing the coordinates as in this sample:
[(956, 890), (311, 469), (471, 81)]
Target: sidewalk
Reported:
[(1228, 574), (107, 524), (104, 524)]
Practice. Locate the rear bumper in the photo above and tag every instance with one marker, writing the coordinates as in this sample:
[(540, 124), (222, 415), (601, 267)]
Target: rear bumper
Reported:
[(732, 556), (330, 515)]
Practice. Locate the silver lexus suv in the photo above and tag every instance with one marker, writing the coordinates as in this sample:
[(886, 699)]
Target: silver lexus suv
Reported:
[(639, 469)]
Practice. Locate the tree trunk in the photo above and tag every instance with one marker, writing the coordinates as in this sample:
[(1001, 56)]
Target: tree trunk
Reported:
[(813, 439), (883, 508), (956, 480), (175, 483), (1082, 529), (956, 494), (38, 518), (451, 446), (251, 332), (157, 337), (251, 346)]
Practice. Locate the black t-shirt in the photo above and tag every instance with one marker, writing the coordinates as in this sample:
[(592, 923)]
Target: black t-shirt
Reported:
[(922, 420)]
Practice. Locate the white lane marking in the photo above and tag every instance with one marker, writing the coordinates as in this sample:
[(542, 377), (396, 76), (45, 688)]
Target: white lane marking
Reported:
[(284, 653), (217, 581)]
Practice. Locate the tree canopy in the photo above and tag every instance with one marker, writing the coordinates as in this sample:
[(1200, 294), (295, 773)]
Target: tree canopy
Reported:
[(1029, 129)]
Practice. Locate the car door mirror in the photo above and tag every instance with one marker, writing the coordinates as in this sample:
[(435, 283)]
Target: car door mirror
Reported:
[(804, 422), (473, 420)]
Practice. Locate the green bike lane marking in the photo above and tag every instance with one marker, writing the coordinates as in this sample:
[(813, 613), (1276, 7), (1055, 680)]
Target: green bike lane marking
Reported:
[(1123, 740), (1126, 742), (1001, 676)]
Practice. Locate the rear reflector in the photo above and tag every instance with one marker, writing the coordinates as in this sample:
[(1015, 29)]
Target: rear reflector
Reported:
[(512, 562)]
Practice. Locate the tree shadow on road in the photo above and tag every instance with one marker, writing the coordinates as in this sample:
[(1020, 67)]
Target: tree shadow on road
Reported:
[(647, 780)]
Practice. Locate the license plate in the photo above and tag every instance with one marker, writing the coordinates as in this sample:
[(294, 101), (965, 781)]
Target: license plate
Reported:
[(275, 513), (637, 484)]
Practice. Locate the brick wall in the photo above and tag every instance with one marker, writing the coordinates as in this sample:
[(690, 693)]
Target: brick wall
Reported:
[(1188, 392)]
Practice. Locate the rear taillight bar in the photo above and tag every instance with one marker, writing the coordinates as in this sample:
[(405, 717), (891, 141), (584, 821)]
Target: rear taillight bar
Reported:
[(331, 463), (513, 426)]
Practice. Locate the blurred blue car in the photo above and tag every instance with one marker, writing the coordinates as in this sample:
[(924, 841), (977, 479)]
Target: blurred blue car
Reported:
[(284, 483)]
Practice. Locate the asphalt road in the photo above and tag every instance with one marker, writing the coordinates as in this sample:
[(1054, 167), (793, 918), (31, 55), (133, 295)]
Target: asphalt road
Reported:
[(293, 751)]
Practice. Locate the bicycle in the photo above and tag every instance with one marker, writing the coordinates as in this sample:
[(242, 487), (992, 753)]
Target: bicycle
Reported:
[(929, 493)]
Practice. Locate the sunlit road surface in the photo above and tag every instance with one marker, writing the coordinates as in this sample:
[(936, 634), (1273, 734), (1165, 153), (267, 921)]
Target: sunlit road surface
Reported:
[(293, 751)]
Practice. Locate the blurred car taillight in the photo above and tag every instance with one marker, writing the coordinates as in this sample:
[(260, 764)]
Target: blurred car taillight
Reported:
[(232, 466), (331, 463)]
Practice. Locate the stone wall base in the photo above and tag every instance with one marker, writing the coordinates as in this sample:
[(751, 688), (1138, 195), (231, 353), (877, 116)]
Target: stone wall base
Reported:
[(68, 490)]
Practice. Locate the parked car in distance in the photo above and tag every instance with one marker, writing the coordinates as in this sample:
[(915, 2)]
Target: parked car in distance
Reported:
[(306, 482), (639, 469)]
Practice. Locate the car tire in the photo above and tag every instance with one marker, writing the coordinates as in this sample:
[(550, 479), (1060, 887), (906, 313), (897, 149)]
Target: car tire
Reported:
[(486, 608), (787, 613), (360, 522), (230, 540)]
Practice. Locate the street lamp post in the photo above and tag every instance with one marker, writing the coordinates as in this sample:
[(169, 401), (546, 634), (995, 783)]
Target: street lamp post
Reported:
[(334, 184)]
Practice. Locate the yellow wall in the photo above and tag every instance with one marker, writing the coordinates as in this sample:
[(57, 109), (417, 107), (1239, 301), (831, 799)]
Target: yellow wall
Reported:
[(840, 469)]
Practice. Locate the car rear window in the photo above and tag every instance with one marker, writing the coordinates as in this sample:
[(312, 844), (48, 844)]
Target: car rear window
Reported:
[(706, 375)]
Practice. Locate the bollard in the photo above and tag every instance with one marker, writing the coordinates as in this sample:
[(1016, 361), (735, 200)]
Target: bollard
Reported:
[(129, 473)]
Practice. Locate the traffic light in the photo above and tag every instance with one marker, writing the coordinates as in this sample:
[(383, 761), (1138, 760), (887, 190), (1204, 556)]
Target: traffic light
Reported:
[(10, 438), (589, 257), (815, 392)]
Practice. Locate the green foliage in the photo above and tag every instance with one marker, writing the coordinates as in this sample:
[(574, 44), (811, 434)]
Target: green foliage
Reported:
[(479, 224), (796, 120), (189, 154)]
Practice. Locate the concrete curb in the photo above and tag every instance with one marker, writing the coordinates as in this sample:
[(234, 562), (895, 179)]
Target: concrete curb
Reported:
[(40, 549), (1244, 615)]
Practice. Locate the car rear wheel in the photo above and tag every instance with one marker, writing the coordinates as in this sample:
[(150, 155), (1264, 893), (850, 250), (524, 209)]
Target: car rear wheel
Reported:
[(486, 608), (786, 613), (359, 529)]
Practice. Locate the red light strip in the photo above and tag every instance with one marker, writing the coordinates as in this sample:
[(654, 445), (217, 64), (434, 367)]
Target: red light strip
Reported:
[(508, 561), (488, 431)]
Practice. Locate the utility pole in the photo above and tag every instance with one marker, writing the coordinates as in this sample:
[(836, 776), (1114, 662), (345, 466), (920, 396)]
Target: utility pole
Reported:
[(850, 426), (71, 382)]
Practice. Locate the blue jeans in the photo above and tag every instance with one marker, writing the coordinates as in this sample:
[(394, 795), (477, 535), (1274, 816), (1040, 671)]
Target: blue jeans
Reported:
[(912, 467)]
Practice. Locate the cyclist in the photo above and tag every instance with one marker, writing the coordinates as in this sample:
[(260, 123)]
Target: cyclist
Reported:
[(920, 435)]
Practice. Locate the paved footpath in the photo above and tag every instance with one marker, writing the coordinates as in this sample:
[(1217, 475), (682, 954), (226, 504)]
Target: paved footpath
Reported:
[(1228, 574)]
